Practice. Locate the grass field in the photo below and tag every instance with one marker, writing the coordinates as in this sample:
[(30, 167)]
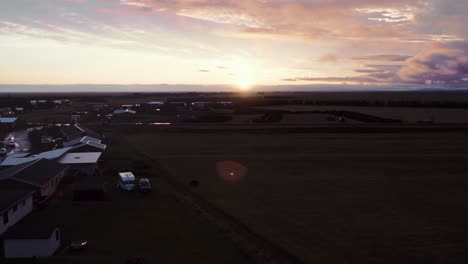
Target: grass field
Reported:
[(406, 114), (360, 198)]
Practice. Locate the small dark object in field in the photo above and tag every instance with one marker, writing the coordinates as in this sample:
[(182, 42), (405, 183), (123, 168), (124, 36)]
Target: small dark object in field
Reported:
[(134, 261), (194, 183), (78, 245)]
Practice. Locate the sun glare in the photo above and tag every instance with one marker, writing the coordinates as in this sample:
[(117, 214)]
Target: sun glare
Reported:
[(244, 85)]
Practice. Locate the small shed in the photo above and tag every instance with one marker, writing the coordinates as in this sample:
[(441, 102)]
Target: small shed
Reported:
[(30, 241)]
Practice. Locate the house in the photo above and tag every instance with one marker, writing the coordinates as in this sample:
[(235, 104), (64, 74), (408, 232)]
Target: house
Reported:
[(14, 205), (82, 162), (42, 175), (77, 131), (31, 241)]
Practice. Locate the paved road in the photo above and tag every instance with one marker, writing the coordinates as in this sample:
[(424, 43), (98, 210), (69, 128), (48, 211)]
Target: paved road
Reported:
[(21, 140)]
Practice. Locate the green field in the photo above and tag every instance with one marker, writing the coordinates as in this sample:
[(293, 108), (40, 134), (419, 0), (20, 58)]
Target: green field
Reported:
[(326, 198)]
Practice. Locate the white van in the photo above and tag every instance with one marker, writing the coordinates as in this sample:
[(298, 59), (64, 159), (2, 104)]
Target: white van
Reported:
[(126, 181)]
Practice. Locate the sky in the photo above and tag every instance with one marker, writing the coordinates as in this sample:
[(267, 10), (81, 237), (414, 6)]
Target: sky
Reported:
[(241, 43)]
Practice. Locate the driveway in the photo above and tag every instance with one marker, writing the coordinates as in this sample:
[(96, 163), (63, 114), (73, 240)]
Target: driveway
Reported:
[(21, 139)]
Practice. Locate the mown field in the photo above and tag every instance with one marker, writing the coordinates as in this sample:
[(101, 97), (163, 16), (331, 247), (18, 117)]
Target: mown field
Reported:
[(326, 198)]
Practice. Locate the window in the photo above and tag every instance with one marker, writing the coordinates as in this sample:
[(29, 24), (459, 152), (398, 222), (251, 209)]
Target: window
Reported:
[(57, 235), (23, 203), (5, 218), (15, 208)]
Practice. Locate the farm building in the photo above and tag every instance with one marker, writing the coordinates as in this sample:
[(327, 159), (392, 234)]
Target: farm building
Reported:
[(81, 162), (42, 175), (14, 205), (31, 241)]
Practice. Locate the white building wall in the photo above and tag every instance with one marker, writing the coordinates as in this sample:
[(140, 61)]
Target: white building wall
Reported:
[(29, 248), (14, 216)]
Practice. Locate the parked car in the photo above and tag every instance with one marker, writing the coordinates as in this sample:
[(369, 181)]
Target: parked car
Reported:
[(78, 245), (145, 185), (3, 151), (126, 181)]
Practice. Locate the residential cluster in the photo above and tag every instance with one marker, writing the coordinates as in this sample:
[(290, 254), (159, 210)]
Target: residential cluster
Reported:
[(29, 181)]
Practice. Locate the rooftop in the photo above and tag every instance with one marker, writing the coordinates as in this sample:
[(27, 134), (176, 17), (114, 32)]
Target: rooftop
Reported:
[(80, 158), (84, 139), (127, 176), (12, 197), (8, 120), (21, 159), (76, 131), (37, 172)]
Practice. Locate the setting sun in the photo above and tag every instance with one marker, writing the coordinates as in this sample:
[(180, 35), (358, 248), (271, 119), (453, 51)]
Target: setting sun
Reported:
[(244, 85)]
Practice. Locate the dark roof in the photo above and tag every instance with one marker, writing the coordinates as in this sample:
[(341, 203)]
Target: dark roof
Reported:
[(37, 172), (77, 131), (72, 131), (10, 171), (9, 198), (24, 230)]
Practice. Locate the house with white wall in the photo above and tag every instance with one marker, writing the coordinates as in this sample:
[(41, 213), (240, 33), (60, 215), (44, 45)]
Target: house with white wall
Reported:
[(31, 241), (14, 206)]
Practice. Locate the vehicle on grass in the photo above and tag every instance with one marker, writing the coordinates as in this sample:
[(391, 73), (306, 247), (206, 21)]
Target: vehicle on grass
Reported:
[(145, 185), (126, 181), (78, 245)]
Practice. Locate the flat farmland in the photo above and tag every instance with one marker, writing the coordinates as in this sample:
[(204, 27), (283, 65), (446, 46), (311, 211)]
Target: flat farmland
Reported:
[(406, 114), (326, 198)]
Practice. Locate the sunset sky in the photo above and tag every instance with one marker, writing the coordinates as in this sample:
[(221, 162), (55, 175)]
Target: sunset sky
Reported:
[(234, 42)]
